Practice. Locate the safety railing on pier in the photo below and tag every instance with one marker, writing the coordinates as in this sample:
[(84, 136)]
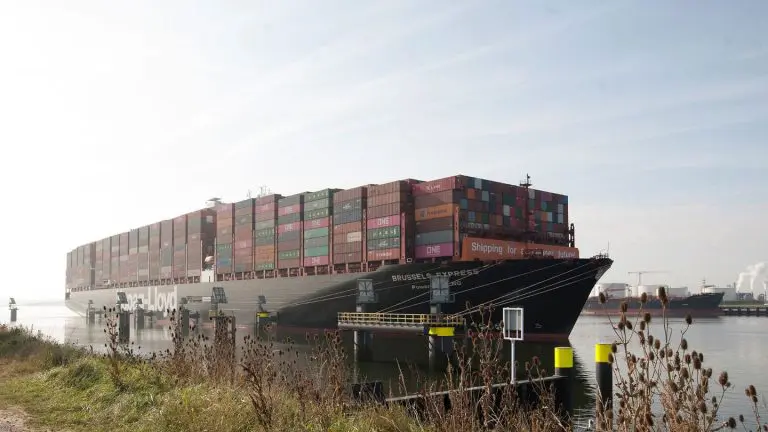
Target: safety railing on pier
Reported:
[(416, 322)]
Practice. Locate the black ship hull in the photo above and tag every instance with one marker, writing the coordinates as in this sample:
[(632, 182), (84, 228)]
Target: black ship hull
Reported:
[(551, 291), (697, 305)]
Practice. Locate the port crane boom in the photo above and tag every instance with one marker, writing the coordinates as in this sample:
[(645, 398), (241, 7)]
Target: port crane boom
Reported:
[(642, 272)]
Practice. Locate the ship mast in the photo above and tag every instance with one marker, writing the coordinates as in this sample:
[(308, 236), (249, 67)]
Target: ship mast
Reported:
[(528, 231)]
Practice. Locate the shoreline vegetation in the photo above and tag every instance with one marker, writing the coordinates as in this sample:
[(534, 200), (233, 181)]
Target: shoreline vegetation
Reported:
[(660, 383)]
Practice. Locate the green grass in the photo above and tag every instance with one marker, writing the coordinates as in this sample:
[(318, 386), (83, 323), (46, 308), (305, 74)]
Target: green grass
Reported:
[(66, 388)]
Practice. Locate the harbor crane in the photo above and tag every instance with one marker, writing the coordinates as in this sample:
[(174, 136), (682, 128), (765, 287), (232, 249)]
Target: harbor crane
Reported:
[(642, 272)]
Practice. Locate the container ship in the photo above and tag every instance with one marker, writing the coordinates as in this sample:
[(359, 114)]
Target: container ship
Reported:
[(681, 302), (299, 258)]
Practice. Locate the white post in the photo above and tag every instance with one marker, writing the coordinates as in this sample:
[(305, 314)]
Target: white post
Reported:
[(513, 331), (512, 367)]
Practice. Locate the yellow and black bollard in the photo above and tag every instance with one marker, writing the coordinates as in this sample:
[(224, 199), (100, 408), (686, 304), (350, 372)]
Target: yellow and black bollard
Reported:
[(564, 384), (604, 376)]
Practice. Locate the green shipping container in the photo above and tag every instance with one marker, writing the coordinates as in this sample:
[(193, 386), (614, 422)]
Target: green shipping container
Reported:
[(317, 232), (317, 214), (293, 254), (265, 266), (264, 225), (316, 251), (264, 233), (316, 205), (325, 194), (289, 218), (317, 241), (385, 243), (386, 232)]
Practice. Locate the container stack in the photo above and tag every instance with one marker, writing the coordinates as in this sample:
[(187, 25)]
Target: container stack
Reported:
[(316, 227), (289, 214), (388, 230), (106, 261), (124, 267), (550, 214), (68, 279), (114, 257), (154, 251), (225, 227), (133, 255), (179, 247), (348, 227), (243, 246), (143, 256), (201, 230), (98, 262), (264, 233), (166, 249), (436, 208)]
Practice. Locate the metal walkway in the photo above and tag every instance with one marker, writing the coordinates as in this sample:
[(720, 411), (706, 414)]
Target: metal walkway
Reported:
[(428, 323)]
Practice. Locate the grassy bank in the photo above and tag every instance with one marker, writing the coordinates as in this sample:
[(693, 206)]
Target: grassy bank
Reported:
[(202, 385)]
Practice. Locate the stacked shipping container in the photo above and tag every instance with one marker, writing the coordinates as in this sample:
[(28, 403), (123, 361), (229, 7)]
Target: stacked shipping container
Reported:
[(289, 219), (143, 255), (153, 254), (166, 249), (114, 258), (123, 264), (243, 246), (201, 232), (436, 217), (348, 240), (225, 226), (389, 222), (394, 221), (179, 245), (265, 233), (318, 209)]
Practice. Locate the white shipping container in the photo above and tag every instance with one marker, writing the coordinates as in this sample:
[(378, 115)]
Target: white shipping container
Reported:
[(505, 210), (531, 194), (354, 237), (560, 209), (560, 218)]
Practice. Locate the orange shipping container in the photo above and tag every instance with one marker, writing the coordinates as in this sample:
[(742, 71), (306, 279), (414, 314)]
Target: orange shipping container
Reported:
[(444, 210), (264, 254), (489, 249)]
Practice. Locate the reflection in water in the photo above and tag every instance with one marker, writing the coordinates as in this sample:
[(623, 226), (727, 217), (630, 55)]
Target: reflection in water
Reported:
[(735, 344)]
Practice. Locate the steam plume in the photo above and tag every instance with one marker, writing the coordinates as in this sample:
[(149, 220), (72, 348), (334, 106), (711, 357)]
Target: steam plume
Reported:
[(753, 279)]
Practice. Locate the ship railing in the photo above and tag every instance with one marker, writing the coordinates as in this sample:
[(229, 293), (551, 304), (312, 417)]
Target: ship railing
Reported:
[(395, 319)]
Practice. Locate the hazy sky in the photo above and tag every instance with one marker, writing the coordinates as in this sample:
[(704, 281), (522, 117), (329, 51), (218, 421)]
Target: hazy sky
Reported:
[(650, 115)]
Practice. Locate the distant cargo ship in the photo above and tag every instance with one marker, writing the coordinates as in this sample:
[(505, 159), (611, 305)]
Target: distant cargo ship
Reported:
[(681, 302), (299, 257)]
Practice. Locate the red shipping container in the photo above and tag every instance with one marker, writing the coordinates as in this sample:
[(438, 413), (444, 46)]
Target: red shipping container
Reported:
[(244, 243), (435, 250), (289, 263), (397, 197), (350, 194), (384, 254), (388, 210), (317, 223), (444, 184), (431, 225), (266, 208), (438, 198), (387, 188), (316, 261), (289, 245), (344, 258), (291, 209), (382, 222), (351, 247), (294, 226)]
